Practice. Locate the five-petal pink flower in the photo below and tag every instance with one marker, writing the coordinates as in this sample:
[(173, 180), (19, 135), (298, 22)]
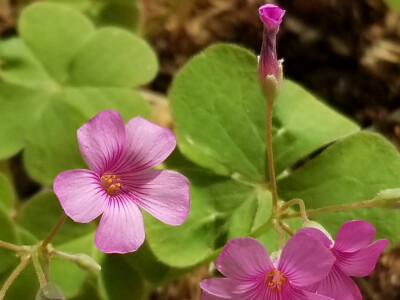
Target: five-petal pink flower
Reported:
[(252, 275), (119, 181), (354, 254)]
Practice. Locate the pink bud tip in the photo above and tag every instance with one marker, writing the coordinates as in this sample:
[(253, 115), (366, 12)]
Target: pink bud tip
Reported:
[(271, 15)]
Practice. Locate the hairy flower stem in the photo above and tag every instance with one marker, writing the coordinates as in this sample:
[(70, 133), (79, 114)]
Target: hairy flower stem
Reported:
[(300, 203), (46, 242), (348, 206), (271, 168), (10, 246), (24, 262), (54, 231), (38, 268), (286, 228)]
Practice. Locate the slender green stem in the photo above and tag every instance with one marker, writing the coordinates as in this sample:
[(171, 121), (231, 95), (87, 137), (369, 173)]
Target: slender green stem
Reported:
[(12, 247), (300, 203), (54, 231), (24, 262), (38, 268), (271, 168), (348, 206)]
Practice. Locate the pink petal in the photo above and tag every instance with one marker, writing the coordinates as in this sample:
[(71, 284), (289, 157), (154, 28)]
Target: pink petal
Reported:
[(227, 288), (338, 286), (244, 259), (271, 15), (218, 288), (354, 235), (121, 228), (147, 145), (101, 140), (305, 260), (80, 194), (318, 234), (360, 263), (207, 296), (290, 292), (164, 194)]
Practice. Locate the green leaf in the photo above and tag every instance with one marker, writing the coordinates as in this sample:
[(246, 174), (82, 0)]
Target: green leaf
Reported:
[(219, 114), (120, 280), (302, 124), (112, 57), (120, 13), (7, 234), (16, 115), (19, 65), (7, 193), (61, 73), (54, 33), (57, 130), (39, 215), (144, 261), (351, 170)]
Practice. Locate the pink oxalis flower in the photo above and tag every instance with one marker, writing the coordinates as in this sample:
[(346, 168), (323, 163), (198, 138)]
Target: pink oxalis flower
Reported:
[(252, 275), (354, 254), (119, 181), (271, 15)]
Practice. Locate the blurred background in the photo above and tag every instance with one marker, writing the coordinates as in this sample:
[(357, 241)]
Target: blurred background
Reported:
[(347, 52)]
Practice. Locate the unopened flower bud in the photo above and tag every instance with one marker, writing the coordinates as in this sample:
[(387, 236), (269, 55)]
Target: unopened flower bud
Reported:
[(389, 198), (50, 291), (87, 263), (269, 68)]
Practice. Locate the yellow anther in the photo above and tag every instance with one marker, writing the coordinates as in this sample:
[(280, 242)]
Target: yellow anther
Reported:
[(118, 184), (113, 176), (112, 186), (118, 179), (109, 180)]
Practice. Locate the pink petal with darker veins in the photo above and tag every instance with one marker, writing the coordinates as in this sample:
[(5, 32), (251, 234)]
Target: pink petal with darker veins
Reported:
[(244, 259), (218, 288), (305, 260), (121, 228), (354, 235), (80, 194), (362, 262), (164, 194), (338, 286), (101, 140), (291, 293), (146, 146)]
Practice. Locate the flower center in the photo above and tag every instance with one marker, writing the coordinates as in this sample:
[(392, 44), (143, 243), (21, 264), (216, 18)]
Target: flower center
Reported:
[(110, 183), (275, 280)]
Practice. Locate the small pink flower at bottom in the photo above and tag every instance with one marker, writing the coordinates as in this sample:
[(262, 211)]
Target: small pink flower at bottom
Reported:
[(355, 255), (119, 181), (251, 275)]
